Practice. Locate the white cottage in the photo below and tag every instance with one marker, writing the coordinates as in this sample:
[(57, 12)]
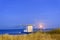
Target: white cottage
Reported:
[(29, 28)]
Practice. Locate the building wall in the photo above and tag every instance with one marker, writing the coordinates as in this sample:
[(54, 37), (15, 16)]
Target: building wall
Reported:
[(30, 28)]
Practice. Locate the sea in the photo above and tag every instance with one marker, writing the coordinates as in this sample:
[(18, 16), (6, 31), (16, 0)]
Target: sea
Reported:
[(18, 31), (12, 31)]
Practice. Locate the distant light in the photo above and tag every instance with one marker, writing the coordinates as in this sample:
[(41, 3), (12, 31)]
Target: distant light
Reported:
[(25, 30), (41, 26)]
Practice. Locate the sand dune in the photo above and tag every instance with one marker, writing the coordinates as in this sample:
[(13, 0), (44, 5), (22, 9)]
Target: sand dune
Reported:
[(32, 36)]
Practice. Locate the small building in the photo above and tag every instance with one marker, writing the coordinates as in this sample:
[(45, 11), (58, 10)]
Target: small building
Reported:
[(29, 28)]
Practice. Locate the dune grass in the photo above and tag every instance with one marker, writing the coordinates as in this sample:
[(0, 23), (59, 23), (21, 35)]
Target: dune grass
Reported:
[(33, 36)]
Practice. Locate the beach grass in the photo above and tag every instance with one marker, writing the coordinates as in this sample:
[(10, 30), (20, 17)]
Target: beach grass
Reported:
[(33, 36)]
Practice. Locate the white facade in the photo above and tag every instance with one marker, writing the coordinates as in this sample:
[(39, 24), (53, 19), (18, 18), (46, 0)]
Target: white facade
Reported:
[(29, 28)]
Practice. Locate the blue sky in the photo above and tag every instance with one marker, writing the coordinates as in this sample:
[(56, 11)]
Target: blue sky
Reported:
[(16, 12)]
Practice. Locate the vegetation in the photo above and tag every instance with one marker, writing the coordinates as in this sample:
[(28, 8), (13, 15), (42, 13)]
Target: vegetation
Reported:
[(55, 31), (33, 36)]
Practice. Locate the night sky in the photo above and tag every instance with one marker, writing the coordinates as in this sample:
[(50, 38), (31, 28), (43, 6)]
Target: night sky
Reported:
[(16, 12)]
